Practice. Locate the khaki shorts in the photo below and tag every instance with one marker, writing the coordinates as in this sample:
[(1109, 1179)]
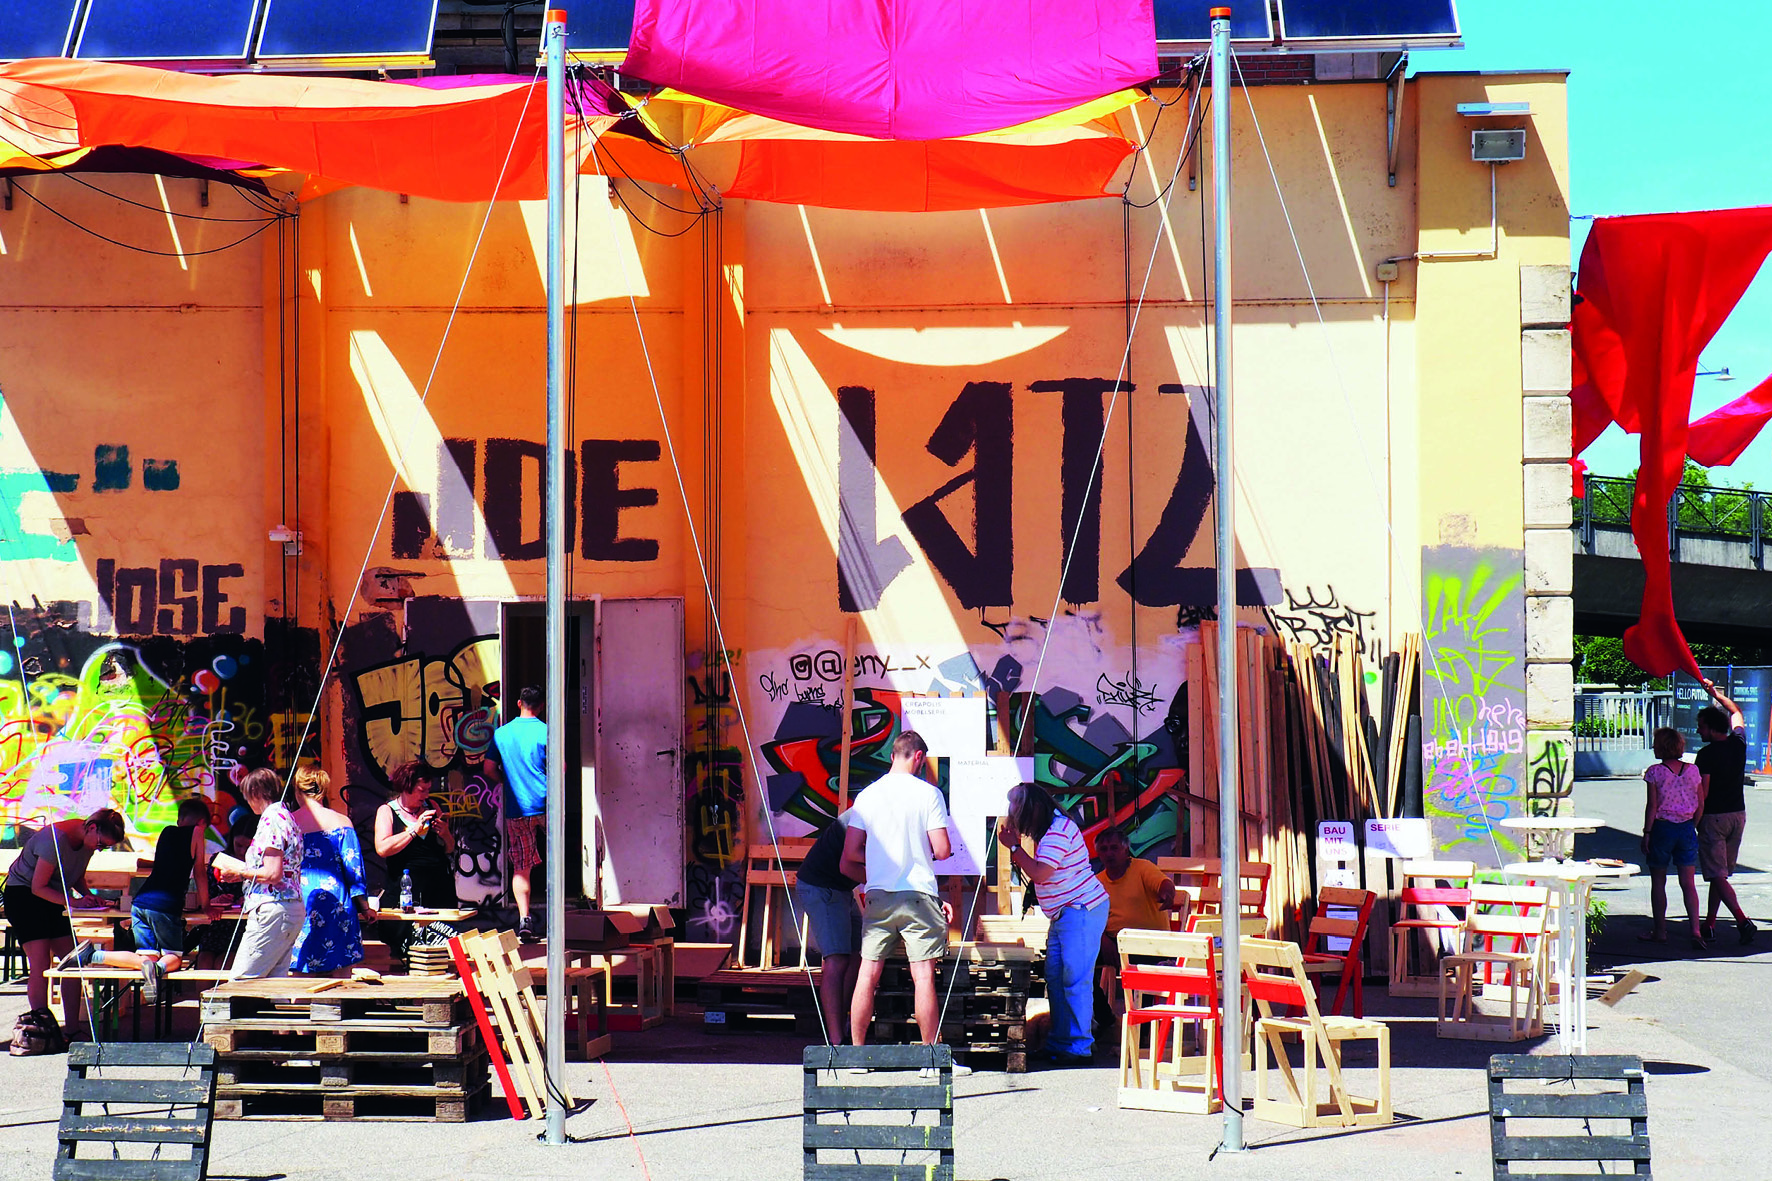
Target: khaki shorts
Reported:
[(909, 916), (1719, 843)]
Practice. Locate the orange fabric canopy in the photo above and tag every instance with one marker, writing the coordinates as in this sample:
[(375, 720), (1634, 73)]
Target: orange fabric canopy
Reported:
[(445, 143), (1069, 156)]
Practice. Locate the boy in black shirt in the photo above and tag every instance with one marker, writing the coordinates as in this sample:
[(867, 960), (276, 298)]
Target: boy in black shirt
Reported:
[(1723, 763)]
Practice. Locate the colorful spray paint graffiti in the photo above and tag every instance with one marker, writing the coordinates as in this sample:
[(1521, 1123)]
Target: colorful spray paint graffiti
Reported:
[(1088, 755), (407, 705), (714, 780), (89, 721), (1473, 677)]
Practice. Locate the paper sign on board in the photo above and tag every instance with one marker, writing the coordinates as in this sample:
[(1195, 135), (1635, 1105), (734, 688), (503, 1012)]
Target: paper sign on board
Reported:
[(981, 786), (1408, 839), (952, 726), (970, 835)]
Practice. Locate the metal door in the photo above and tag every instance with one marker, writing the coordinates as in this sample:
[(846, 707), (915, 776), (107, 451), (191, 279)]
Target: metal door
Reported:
[(639, 761)]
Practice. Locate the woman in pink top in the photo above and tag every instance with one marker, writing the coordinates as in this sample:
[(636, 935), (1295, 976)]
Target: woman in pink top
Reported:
[(1670, 832)]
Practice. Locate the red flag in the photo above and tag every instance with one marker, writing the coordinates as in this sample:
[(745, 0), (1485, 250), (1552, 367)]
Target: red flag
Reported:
[(1719, 438), (1654, 290)]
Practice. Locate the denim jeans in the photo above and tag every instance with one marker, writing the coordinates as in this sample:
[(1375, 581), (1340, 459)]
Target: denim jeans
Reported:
[(1072, 944)]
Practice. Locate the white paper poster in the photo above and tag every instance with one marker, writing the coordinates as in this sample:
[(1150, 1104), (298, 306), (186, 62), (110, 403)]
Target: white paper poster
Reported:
[(970, 835), (952, 726), (980, 787), (1409, 839), (1338, 857)]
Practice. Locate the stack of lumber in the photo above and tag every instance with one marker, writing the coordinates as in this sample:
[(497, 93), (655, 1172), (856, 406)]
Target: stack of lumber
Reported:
[(1310, 748), (430, 960), (397, 1049), (983, 990)]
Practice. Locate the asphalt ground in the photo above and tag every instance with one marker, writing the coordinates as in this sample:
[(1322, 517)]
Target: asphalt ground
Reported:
[(678, 1103)]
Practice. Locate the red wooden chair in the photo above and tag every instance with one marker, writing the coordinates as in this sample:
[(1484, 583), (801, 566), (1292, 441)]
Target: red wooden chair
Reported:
[(1319, 959), (1154, 1072), (1431, 915)]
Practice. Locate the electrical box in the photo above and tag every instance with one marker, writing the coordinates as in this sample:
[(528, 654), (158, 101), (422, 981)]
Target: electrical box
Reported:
[(1503, 146)]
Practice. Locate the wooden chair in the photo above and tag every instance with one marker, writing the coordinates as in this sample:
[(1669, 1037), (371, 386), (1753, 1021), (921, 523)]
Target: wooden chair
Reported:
[(770, 872), (1348, 964), (1200, 881), (1252, 926), (1273, 974), (1523, 967), (1155, 1073), (1427, 907)]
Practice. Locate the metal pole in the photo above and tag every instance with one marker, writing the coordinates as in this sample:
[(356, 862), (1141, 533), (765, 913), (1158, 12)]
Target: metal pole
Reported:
[(554, 46), (1229, 812)]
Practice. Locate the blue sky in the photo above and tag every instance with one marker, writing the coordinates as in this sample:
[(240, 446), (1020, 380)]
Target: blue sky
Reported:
[(1654, 126)]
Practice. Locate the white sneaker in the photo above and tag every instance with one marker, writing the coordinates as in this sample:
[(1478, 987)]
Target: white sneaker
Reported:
[(151, 974)]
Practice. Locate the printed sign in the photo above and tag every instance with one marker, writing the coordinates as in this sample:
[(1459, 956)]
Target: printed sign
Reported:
[(1338, 855), (952, 726), (981, 786), (1408, 839)]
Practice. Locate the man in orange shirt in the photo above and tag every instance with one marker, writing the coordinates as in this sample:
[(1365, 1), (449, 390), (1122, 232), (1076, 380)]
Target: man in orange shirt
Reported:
[(1139, 895)]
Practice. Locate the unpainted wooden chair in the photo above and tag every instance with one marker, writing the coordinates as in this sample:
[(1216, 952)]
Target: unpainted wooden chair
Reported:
[(1274, 974), (1200, 880), (1515, 914)]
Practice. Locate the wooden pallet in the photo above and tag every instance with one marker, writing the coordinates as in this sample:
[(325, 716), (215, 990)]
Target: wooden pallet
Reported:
[(893, 1087), (291, 1039), (395, 1001), (436, 1107), (94, 1080), (368, 1076), (502, 994), (1541, 1099), (740, 998)]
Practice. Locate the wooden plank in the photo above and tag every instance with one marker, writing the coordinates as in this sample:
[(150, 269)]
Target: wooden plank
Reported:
[(1594, 1148), (1554, 1105), (919, 1098), (1186, 830), (150, 1128), (140, 1054), (467, 964), (121, 1090), (844, 714), (128, 1170), (822, 1171), (904, 1137), (1595, 1066), (911, 1057)]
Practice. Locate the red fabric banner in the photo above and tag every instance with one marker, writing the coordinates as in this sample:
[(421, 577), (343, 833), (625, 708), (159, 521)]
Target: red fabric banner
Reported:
[(1719, 438), (1654, 289), (895, 69)]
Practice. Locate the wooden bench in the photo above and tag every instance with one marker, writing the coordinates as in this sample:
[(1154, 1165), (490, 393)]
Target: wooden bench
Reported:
[(1576, 1138), (94, 1082), (894, 1085)]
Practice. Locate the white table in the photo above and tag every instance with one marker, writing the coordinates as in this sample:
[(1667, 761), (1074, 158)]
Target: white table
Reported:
[(1563, 828), (1570, 883)]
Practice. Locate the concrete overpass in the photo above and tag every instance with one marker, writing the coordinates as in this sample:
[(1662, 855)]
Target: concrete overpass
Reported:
[(1718, 536)]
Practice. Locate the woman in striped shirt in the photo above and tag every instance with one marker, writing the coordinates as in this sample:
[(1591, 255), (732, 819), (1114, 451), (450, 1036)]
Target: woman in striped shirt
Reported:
[(1075, 902)]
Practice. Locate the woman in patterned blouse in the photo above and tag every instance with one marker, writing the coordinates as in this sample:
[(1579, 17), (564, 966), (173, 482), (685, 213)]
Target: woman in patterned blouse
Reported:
[(273, 905)]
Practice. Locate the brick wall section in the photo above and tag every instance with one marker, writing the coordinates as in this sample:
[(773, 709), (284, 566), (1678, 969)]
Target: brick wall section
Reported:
[(1549, 544)]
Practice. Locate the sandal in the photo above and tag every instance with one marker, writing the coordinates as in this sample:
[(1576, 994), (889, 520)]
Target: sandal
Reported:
[(1746, 929), (1698, 943), (1709, 928)]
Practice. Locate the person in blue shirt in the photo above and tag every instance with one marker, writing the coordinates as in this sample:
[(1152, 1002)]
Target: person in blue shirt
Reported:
[(522, 746)]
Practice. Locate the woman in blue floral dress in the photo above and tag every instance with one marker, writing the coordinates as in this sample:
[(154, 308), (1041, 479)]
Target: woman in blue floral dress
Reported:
[(332, 881)]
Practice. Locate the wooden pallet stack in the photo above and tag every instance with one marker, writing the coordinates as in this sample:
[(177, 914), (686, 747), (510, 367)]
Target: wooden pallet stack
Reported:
[(430, 960), (398, 1049), (985, 991)]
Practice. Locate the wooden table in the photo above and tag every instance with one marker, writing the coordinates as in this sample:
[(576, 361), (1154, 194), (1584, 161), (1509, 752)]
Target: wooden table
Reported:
[(1557, 828), (1570, 884), (423, 915)]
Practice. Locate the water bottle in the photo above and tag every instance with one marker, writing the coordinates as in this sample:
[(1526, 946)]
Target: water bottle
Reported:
[(406, 889)]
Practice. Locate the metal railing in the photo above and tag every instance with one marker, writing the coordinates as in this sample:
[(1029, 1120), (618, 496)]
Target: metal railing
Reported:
[(1711, 514), (1620, 719)]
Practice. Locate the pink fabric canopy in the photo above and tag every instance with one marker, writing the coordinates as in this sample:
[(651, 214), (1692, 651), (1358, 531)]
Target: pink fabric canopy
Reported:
[(895, 69)]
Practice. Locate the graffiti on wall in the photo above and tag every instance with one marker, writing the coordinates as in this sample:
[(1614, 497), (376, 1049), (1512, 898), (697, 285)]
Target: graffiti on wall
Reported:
[(1550, 764), (1102, 753), (1474, 699), (714, 781), (432, 697), (88, 720)]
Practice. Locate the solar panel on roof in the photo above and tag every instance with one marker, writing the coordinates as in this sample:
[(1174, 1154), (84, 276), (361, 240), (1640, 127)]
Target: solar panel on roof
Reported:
[(40, 28), (1187, 20), (347, 28), (1359, 20), (600, 27), (167, 30)]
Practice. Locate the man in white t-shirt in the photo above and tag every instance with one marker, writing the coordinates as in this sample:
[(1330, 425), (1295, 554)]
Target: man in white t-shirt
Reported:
[(898, 830)]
